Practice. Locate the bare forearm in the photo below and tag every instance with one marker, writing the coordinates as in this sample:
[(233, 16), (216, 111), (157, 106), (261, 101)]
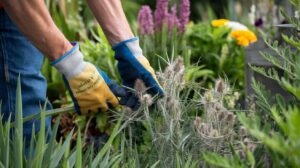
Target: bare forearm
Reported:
[(112, 19), (34, 21)]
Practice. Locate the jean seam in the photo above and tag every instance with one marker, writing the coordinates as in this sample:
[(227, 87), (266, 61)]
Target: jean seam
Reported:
[(6, 68)]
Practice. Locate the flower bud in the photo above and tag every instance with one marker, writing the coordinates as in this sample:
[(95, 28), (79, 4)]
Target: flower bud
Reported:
[(221, 116), (230, 116), (214, 133), (220, 86), (243, 131), (140, 87), (246, 141), (147, 99), (197, 122)]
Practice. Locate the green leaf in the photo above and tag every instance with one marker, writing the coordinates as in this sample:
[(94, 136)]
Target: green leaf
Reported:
[(250, 158), (1, 165), (51, 144), (216, 160), (57, 157), (292, 89), (155, 164), (41, 141), (108, 144), (78, 163), (188, 162), (6, 152), (101, 120), (18, 131)]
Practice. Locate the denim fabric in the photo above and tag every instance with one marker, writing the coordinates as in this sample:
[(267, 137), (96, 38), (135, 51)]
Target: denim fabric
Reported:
[(19, 56)]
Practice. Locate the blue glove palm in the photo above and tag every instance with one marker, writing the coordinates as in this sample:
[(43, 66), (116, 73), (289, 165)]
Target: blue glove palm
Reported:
[(133, 65)]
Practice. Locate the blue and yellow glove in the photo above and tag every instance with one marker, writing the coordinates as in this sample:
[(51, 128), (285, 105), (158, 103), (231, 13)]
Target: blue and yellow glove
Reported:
[(133, 65), (90, 88)]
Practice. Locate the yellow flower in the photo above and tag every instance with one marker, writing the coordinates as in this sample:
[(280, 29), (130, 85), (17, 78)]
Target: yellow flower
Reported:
[(238, 31), (190, 24), (244, 37), (242, 41), (220, 22)]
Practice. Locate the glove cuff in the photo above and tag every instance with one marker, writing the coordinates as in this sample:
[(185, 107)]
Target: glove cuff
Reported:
[(71, 63), (132, 44)]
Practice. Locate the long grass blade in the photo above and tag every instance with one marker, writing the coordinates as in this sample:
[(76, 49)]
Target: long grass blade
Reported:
[(72, 158), (60, 153), (48, 114), (18, 131), (41, 141), (78, 163), (51, 145), (31, 148), (107, 146), (7, 142), (1, 165)]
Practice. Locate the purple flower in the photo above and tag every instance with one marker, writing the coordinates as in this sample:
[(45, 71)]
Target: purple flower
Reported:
[(172, 20), (184, 14), (259, 22), (160, 13), (145, 20)]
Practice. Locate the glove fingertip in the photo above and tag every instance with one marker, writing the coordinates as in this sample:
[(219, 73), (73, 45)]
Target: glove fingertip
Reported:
[(123, 101), (136, 107), (156, 90), (121, 92), (132, 102), (117, 90)]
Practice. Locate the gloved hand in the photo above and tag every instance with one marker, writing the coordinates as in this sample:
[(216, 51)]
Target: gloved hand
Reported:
[(133, 65), (90, 88)]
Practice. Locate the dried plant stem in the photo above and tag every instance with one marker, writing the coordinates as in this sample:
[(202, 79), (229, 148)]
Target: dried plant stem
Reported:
[(48, 113)]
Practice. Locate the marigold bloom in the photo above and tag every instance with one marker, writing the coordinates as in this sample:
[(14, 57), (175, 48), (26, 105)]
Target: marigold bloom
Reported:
[(240, 32), (244, 37), (220, 22)]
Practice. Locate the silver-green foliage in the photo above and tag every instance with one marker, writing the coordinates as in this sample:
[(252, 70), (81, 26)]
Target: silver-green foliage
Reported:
[(164, 133), (276, 123)]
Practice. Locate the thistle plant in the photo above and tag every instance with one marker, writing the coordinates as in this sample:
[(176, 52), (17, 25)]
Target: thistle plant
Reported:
[(218, 127), (166, 133), (163, 132)]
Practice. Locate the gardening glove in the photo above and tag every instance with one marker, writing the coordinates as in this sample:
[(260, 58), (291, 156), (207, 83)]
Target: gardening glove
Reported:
[(90, 88), (133, 65)]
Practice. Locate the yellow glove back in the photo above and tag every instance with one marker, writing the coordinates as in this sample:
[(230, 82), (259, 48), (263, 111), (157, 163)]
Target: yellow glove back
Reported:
[(90, 88)]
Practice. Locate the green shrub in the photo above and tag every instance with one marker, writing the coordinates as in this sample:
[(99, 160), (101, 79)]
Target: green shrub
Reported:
[(212, 48)]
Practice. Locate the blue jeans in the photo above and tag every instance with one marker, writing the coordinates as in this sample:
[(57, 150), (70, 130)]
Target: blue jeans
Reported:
[(19, 56)]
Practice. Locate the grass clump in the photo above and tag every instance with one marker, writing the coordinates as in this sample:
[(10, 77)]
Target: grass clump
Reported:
[(44, 152)]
